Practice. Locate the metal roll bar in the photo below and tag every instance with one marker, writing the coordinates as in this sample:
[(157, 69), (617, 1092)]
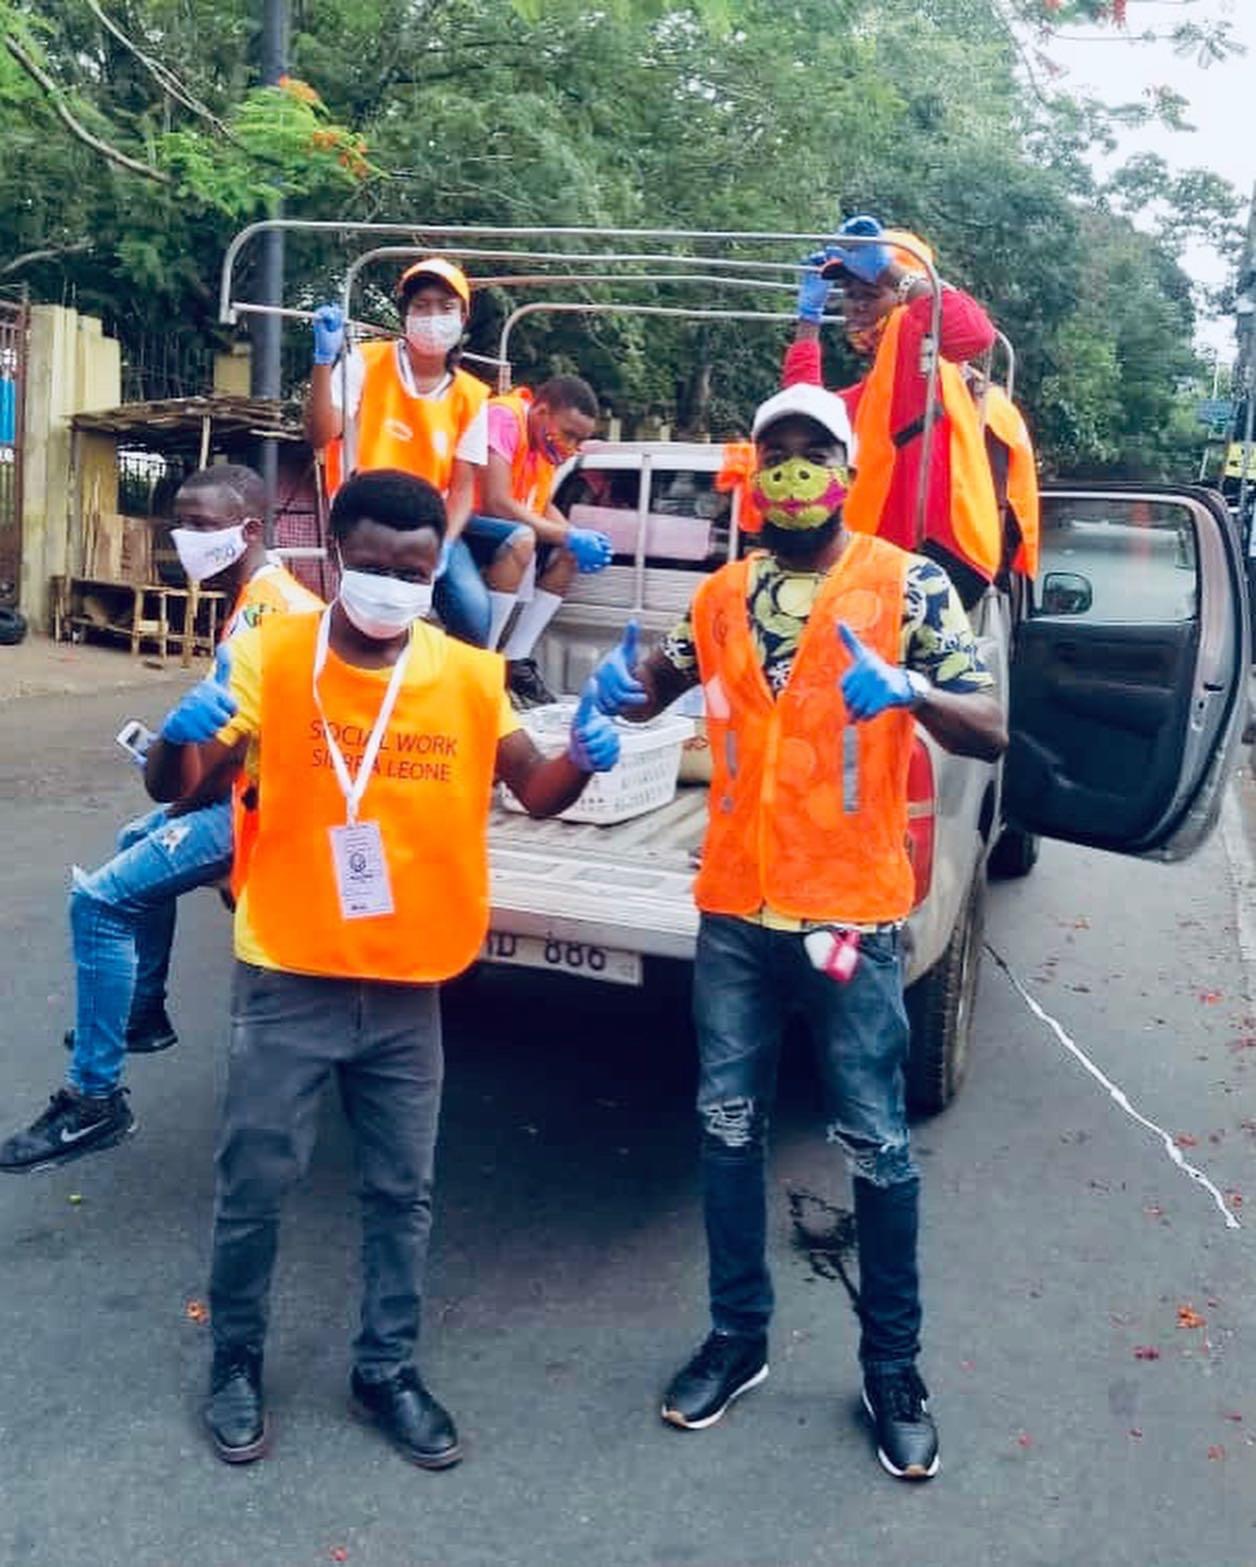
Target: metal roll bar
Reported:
[(604, 307), (450, 238)]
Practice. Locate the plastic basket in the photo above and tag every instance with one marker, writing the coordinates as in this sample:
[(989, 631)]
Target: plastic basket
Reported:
[(643, 779)]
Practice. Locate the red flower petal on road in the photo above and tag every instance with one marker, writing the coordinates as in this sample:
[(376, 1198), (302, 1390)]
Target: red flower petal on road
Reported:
[(1188, 1317), (1136, 1431), (197, 1311), (1185, 1140), (339, 1553), (1233, 1414), (1235, 1199), (1024, 1440), (1146, 1352), (1209, 998), (1216, 1451)]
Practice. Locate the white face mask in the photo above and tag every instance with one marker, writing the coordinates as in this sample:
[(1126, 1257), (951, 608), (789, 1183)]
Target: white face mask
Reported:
[(434, 334), (205, 554), (382, 607)]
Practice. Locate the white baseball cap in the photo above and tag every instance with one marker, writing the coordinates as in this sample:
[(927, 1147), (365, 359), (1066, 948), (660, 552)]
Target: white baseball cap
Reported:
[(812, 402)]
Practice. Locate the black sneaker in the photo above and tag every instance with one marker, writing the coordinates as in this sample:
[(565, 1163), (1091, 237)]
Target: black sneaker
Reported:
[(907, 1439), (235, 1413), (412, 1420), (726, 1366), (523, 681), (71, 1126), (146, 1034)]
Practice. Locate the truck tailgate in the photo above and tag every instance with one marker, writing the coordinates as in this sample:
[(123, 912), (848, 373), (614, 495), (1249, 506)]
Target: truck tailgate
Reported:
[(628, 886)]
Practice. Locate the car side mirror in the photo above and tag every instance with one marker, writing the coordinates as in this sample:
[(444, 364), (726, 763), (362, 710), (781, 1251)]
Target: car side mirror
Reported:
[(1066, 593)]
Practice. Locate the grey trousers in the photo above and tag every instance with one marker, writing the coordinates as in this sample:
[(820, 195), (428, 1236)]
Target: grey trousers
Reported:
[(289, 1032)]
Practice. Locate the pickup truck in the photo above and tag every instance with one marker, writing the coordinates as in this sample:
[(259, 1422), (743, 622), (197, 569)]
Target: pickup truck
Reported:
[(1123, 671)]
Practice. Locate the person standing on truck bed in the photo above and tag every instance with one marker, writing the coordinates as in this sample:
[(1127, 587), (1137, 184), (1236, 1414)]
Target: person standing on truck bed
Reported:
[(518, 533), (375, 740), (122, 915), (816, 658), (414, 409), (887, 303)]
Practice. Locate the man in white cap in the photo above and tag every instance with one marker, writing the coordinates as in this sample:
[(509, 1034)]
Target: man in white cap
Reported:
[(817, 657)]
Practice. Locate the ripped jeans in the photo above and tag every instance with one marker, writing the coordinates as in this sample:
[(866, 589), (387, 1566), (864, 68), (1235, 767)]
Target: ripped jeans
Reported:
[(747, 980), (122, 926)]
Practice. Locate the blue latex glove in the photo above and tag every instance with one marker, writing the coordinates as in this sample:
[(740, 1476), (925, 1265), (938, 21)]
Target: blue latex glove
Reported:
[(814, 290), (593, 743), (329, 334), (870, 685), (592, 550), (866, 262), (206, 707), (614, 681)]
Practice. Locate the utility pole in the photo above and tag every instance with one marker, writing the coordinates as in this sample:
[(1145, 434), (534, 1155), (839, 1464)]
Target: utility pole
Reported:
[(266, 375)]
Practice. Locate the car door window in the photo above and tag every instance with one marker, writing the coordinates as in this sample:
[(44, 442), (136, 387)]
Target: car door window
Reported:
[(689, 520), (604, 498)]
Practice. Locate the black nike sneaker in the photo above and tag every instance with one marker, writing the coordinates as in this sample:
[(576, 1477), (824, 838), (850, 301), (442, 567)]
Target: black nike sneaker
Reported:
[(523, 681), (907, 1439), (71, 1126), (725, 1367), (146, 1033)]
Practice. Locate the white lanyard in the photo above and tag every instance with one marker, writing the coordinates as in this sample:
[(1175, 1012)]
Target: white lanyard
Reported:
[(354, 788)]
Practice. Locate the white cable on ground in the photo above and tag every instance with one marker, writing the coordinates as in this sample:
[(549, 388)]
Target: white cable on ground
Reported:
[(1117, 1095)]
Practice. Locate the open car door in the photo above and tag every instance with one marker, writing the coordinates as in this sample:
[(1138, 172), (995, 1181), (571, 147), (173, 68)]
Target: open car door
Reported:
[(1129, 673)]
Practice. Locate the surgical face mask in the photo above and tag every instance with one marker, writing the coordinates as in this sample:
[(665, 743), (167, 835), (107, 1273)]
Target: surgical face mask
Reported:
[(203, 554), (798, 494), (382, 607), (434, 334)]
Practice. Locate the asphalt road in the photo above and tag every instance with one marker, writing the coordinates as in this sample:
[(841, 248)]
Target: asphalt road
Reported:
[(1082, 1422)]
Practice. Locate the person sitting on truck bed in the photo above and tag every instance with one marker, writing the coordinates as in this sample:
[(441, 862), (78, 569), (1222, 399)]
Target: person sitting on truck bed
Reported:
[(887, 303), (1014, 469), (518, 534), (347, 924), (414, 409), (816, 658), (122, 916)]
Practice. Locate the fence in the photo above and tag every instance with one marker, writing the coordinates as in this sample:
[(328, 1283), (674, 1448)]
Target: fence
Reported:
[(13, 346)]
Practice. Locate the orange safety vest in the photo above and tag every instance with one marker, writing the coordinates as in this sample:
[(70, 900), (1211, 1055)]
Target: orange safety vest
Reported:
[(531, 472), (272, 590), (808, 810), (430, 793), (1006, 423), (974, 511), (395, 430)]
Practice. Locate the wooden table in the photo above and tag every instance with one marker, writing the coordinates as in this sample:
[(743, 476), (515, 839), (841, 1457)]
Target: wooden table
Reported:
[(139, 613)]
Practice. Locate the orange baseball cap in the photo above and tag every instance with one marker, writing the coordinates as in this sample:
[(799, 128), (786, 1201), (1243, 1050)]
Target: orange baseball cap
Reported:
[(443, 271)]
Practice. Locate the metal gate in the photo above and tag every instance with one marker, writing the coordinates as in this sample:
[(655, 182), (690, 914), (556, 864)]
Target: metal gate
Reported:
[(13, 336)]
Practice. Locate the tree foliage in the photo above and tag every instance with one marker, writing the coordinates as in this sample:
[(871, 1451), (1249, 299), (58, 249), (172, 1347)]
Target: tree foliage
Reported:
[(932, 113)]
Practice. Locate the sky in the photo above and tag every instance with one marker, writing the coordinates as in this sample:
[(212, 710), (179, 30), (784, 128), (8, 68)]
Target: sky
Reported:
[(1221, 99)]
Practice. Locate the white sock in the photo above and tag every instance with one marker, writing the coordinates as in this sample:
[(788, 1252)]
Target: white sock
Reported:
[(500, 606), (533, 619)]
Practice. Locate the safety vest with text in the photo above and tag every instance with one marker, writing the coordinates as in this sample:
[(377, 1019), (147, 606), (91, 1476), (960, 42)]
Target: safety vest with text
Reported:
[(973, 515), (807, 809), (430, 793), (395, 429)]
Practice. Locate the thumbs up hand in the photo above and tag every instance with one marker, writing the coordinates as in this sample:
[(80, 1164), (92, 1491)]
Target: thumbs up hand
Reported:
[(593, 743), (870, 685), (614, 681), (205, 709)]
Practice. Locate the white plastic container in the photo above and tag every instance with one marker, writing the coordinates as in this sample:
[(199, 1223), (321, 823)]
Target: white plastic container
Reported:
[(643, 779)]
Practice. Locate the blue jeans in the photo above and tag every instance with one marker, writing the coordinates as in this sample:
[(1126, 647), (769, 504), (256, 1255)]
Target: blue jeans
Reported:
[(460, 597), (747, 980), (122, 927)]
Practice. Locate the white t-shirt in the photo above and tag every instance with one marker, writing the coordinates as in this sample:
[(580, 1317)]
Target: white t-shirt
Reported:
[(473, 446)]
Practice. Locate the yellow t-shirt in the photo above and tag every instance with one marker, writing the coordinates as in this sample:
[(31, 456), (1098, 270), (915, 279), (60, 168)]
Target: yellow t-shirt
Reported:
[(246, 688)]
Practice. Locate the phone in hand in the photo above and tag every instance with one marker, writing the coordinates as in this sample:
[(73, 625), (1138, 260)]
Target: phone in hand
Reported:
[(135, 738)]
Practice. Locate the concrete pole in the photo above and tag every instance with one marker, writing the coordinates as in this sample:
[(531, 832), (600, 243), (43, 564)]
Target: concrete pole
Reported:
[(267, 376)]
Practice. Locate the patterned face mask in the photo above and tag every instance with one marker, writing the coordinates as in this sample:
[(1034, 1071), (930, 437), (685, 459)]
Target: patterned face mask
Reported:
[(799, 494)]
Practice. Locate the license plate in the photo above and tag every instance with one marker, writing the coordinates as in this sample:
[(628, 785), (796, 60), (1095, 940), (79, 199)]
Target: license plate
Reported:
[(564, 957)]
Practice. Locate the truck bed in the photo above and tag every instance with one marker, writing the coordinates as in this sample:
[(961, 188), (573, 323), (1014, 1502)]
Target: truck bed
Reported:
[(626, 886)]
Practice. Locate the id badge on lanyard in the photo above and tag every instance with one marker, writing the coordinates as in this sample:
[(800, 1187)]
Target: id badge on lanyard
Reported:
[(358, 856)]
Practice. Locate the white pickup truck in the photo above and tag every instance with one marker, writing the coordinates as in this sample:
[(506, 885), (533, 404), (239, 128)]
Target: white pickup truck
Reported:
[(1125, 682)]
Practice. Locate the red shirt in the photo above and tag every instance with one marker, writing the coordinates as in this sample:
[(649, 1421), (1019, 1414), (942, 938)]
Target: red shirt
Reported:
[(967, 332)]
